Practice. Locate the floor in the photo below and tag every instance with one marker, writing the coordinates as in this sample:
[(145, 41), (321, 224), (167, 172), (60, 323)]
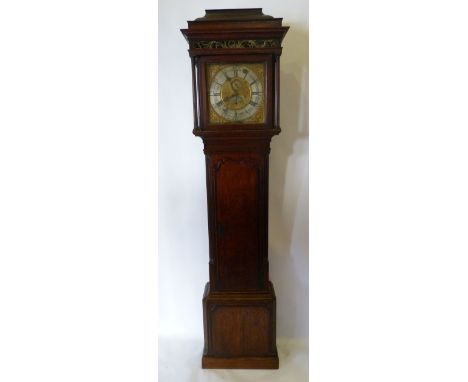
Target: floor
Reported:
[(180, 361)]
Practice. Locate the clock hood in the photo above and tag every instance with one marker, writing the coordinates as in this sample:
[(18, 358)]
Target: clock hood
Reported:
[(235, 29)]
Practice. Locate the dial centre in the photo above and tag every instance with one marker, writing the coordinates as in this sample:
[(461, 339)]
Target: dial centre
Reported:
[(236, 93)]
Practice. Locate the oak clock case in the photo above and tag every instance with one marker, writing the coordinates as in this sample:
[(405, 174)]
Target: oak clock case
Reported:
[(235, 82)]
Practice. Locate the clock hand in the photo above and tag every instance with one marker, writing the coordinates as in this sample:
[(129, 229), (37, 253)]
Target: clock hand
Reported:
[(232, 87), (232, 96), (229, 79)]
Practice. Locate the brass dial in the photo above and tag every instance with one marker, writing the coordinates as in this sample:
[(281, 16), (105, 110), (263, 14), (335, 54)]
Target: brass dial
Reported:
[(236, 93)]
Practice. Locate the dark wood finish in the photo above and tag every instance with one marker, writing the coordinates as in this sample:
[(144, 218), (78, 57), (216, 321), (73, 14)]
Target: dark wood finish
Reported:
[(236, 216), (240, 362), (239, 326), (239, 303)]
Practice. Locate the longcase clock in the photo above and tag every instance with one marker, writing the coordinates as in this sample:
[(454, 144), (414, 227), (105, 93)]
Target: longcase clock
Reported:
[(235, 69)]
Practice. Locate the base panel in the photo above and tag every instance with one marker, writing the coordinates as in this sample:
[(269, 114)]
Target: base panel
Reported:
[(240, 362), (240, 330)]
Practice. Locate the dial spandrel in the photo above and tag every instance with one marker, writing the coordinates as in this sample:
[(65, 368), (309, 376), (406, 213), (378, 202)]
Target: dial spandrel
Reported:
[(236, 93)]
